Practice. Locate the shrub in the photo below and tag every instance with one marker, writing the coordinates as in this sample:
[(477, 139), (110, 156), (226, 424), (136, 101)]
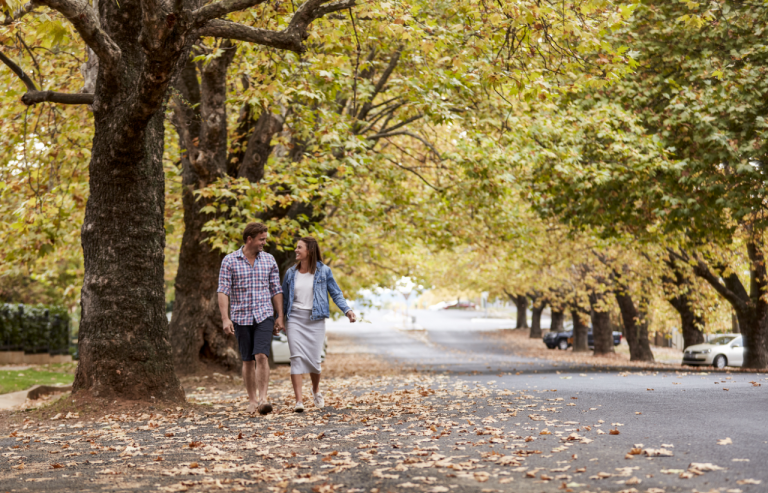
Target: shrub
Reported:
[(34, 329)]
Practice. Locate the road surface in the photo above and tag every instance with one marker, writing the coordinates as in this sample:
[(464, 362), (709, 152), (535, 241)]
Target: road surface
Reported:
[(687, 413)]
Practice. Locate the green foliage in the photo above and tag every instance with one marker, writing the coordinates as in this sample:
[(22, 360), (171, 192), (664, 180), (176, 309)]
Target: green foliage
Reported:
[(596, 167), (379, 204), (34, 329), (43, 169), (679, 147)]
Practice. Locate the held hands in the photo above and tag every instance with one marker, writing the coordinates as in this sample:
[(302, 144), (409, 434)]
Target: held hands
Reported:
[(279, 325), (229, 328), (351, 316)]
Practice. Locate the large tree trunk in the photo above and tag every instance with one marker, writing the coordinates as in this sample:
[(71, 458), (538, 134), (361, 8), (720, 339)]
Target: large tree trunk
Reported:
[(196, 330), (755, 349), (751, 307), (635, 327), (123, 336), (539, 303), (201, 122), (691, 323), (558, 321), (580, 330), (521, 304), (602, 335)]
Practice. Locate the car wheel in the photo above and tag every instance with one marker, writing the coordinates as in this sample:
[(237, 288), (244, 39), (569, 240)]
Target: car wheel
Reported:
[(563, 344), (720, 361)]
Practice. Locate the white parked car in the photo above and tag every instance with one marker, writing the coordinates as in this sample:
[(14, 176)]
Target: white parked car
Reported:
[(722, 351), (280, 352)]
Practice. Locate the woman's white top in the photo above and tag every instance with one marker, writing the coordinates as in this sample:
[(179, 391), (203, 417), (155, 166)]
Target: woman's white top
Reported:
[(303, 290)]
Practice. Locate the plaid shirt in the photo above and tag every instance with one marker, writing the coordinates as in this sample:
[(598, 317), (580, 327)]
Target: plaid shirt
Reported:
[(250, 289)]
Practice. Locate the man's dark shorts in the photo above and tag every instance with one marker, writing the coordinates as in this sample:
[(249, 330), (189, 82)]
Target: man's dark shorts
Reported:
[(254, 339)]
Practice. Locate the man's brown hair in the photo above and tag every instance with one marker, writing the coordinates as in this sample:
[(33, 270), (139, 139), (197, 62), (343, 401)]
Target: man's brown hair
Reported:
[(252, 230), (313, 253)]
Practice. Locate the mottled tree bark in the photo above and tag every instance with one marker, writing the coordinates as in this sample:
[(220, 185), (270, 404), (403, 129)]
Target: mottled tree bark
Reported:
[(521, 304), (200, 117), (635, 327), (538, 304), (123, 336), (751, 306), (691, 323), (558, 321), (580, 330), (602, 335)]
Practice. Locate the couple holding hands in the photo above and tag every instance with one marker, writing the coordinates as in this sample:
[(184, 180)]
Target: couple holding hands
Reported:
[(254, 306)]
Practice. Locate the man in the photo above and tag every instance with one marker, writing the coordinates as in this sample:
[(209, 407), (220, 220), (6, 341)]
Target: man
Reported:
[(249, 288)]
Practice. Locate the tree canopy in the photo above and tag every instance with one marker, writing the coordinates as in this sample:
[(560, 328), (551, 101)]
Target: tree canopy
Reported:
[(602, 158)]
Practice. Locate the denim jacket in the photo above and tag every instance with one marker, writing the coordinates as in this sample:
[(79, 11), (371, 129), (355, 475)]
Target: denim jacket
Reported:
[(325, 284)]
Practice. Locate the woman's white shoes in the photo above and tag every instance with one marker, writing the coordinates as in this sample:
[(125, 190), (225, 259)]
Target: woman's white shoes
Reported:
[(299, 407), (318, 398)]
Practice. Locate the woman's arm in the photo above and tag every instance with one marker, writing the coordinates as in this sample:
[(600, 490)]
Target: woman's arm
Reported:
[(286, 285), (335, 292)]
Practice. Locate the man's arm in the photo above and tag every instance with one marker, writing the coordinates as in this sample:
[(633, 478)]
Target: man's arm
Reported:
[(276, 291), (277, 304), (225, 284), (229, 328)]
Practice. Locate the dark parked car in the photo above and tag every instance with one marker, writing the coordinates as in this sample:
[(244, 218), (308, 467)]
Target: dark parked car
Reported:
[(564, 340), (558, 339)]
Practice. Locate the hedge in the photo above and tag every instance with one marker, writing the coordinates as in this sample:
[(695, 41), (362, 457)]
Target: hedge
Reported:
[(34, 329)]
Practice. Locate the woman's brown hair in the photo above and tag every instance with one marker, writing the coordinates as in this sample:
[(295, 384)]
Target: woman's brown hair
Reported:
[(313, 253)]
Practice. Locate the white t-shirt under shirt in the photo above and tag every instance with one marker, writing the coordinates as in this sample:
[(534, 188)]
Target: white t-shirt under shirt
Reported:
[(303, 290)]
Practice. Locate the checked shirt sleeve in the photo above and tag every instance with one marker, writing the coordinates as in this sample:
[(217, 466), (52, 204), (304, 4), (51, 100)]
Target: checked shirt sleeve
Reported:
[(274, 280), (225, 277)]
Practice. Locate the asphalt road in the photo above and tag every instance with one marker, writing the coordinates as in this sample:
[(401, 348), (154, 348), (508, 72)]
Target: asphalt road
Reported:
[(688, 412)]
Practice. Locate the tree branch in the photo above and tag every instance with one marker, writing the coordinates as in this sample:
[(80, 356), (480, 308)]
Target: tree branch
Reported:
[(281, 40), (380, 84), (402, 124), (33, 96), (19, 72), (24, 10), (702, 270), (219, 9), (409, 134), (291, 38), (86, 22), (415, 173)]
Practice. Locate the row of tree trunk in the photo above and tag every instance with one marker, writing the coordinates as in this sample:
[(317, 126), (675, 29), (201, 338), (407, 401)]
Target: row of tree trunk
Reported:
[(634, 317)]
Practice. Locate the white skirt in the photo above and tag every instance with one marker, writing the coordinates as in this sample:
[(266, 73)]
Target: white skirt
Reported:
[(305, 341)]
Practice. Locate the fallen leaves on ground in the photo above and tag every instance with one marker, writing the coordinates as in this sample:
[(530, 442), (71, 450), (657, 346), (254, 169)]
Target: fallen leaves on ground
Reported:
[(749, 481), (406, 430), (658, 452)]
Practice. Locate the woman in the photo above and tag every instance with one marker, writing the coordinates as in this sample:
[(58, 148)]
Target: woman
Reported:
[(306, 287)]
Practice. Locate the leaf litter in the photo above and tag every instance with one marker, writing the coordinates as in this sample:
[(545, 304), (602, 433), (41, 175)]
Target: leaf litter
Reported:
[(409, 431)]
